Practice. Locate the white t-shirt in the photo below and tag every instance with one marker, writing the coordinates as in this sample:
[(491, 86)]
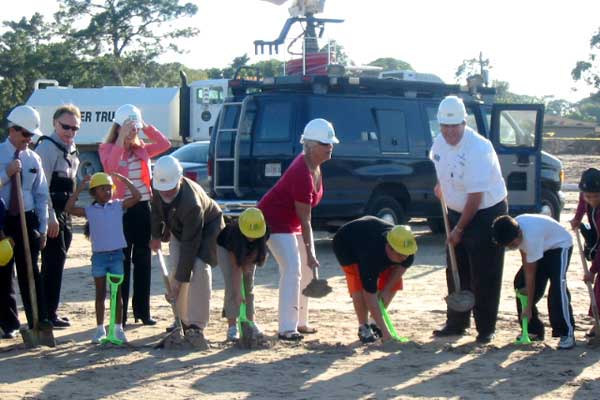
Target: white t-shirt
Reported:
[(540, 234), (469, 167)]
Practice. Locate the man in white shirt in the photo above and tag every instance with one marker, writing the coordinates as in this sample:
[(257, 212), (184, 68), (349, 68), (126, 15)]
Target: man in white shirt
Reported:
[(546, 249), (17, 158), (470, 179)]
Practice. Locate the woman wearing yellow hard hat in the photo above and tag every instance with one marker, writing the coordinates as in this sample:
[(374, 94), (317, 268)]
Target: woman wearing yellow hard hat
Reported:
[(241, 246), (374, 255)]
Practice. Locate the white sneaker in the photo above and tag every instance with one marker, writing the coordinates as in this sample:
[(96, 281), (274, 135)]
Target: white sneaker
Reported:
[(120, 334), (566, 342), (256, 330), (99, 335), (232, 334)]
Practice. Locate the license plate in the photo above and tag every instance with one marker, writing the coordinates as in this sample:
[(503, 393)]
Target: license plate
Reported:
[(273, 169)]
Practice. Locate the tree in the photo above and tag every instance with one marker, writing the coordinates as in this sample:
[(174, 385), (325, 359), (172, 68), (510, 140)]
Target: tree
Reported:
[(589, 71), (391, 64), (121, 28), (471, 67)]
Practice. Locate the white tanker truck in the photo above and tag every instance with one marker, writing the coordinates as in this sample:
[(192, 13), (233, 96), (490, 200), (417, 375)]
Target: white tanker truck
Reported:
[(184, 114)]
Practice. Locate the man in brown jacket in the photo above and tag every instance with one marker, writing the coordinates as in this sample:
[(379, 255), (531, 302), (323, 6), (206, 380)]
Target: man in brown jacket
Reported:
[(182, 210)]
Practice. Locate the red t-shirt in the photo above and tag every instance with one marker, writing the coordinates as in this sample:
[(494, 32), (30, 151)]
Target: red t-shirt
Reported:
[(277, 204)]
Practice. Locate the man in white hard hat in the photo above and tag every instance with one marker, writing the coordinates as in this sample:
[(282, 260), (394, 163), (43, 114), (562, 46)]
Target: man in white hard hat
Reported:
[(184, 212), (471, 182), (17, 158)]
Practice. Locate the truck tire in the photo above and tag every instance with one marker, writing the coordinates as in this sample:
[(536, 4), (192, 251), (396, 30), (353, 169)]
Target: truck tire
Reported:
[(550, 204), (387, 208), (89, 164)]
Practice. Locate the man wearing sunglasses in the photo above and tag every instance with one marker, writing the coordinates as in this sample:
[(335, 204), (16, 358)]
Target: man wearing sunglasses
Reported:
[(60, 162), (17, 158)]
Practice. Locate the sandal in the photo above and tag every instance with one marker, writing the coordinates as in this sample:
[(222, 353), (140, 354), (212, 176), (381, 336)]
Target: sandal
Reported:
[(307, 330), (291, 336)]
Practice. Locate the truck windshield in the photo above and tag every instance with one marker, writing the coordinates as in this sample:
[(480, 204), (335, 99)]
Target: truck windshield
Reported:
[(209, 95)]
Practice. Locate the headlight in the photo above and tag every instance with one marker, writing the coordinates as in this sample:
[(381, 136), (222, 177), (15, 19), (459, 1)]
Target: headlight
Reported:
[(562, 176)]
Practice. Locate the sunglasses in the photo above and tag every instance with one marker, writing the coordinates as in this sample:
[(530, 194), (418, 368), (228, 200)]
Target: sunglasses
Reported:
[(69, 127), (24, 132)]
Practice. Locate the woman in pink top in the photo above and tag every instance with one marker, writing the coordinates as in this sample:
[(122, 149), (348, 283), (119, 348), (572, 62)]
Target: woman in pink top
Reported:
[(287, 210), (125, 153)]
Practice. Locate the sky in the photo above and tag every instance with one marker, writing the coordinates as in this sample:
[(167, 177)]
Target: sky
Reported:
[(532, 44)]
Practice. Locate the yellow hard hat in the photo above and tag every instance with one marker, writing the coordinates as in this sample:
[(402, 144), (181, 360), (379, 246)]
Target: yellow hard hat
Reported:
[(6, 251), (402, 240), (100, 179), (252, 223)]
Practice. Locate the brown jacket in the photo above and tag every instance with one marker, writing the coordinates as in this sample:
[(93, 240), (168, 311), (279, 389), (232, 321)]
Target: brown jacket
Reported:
[(195, 220)]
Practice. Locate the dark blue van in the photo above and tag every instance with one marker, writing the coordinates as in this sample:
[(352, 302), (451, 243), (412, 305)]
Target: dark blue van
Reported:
[(381, 166)]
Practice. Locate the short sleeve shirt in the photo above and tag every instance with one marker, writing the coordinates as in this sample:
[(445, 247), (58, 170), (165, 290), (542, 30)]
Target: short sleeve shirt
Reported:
[(471, 166), (362, 242), (540, 234), (106, 226), (278, 204)]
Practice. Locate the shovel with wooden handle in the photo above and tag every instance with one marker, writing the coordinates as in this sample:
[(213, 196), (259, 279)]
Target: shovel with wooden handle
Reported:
[(40, 334), (595, 340), (460, 300)]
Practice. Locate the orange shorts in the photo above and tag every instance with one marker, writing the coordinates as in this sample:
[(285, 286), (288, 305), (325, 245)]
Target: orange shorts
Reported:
[(355, 284)]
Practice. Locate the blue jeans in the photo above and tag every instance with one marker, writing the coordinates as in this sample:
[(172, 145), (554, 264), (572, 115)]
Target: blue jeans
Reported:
[(107, 261)]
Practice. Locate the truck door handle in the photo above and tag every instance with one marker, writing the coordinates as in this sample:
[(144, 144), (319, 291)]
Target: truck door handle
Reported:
[(522, 160)]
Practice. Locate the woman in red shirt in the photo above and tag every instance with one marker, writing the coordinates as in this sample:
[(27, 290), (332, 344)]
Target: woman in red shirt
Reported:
[(287, 210), (124, 152)]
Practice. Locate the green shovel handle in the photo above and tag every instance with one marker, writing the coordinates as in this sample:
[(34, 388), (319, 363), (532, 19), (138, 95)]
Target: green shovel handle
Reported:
[(114, 288), (524, 339), (243, 317), (389, 324)]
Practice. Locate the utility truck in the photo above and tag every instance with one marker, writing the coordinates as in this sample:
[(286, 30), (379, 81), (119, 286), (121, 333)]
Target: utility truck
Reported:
[(184, 114)]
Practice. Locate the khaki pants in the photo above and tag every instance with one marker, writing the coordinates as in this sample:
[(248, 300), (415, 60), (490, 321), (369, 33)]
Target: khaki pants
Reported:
[(193, 303)]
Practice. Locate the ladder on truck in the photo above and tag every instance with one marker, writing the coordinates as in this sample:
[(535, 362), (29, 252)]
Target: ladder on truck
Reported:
[(235, 158)]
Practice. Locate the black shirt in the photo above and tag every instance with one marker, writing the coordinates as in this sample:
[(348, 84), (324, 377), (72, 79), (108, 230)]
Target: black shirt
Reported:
[(362, 242), (232, 239)]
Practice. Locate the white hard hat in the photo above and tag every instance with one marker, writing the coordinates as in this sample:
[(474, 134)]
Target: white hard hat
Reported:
[(26, 117), (319, 130), (167, 172), (128, 111), (451, 111)]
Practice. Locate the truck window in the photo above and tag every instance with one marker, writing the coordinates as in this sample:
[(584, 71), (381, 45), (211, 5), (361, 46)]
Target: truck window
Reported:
[(393, 136), (517, 128), (209, 95), (434, 126), (274, 122)]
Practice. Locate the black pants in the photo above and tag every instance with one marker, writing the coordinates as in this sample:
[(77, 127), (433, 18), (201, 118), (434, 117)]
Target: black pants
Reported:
[(136, 224), (551, 267), (9, 316), (480, 265), (54, 256)]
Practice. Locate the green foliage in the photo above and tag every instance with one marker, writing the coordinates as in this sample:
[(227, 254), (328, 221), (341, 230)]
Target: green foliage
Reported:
[(589, 71), (470, 67), (391, 64)]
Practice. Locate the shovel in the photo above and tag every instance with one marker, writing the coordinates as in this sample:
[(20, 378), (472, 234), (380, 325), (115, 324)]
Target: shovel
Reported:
[(596, 339), (524, 338), (317, 288), (389, 324), (41, 334), (248, 339), (460, 300), (114, 289)]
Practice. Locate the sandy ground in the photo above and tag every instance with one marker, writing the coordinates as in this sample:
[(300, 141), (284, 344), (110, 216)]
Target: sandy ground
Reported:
[(330, 364)]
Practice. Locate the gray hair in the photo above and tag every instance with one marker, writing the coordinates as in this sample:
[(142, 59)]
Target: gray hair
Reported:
[(308, 144)]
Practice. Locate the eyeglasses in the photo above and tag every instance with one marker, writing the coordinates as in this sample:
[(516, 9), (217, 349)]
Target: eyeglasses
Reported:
[(23, 131), (69, 127)]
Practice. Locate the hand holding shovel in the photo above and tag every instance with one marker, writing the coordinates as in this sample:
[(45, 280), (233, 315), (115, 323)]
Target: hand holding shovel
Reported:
[(460, 300)]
